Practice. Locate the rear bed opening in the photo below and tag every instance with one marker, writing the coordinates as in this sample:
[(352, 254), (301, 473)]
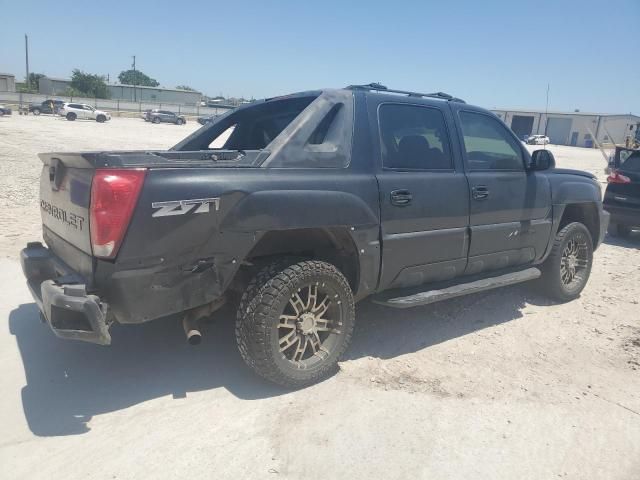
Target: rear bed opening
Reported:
[(249, 128)]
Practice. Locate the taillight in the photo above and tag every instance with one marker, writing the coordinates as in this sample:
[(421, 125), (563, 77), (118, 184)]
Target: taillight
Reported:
[(114, 194), (617, 177)]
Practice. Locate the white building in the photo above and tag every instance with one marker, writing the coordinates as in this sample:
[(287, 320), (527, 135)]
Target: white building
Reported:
[(7, 82), (571, 128)]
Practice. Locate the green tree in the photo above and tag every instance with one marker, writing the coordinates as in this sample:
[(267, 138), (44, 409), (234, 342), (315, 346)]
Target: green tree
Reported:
[(136, 77), (72, 92), (186, 87), (33, 81), (89, 85)]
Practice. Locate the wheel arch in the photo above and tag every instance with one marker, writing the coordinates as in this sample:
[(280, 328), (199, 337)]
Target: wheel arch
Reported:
[(585, 213), (334, 245)]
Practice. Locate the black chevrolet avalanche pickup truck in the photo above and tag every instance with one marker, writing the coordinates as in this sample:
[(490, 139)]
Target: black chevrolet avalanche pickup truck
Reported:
[(294, 208)]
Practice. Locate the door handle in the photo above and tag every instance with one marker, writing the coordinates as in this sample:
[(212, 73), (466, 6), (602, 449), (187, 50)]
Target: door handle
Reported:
[(480, 192), (401, 198)]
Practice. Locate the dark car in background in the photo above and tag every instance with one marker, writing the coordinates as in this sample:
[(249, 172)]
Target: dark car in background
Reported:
[(48, 106), (4, 110), (206, 119), (622, 197), (165, 116)]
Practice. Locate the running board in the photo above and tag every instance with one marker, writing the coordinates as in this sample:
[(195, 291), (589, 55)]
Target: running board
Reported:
[(432, 296)]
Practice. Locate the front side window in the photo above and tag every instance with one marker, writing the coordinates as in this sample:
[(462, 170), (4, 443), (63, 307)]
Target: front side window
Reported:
[(413, 138), (488, 144)]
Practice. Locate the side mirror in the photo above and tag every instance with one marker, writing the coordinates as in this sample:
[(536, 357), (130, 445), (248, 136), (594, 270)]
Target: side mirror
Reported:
[(542, 160)]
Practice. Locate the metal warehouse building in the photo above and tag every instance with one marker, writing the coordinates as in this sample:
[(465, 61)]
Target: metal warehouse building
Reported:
[(57, 86), (571, 128), (7, 82)]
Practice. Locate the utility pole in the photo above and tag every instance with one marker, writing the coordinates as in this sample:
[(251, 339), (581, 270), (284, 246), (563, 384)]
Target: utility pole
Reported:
[(26, 57), (546, 116), (134, 78)]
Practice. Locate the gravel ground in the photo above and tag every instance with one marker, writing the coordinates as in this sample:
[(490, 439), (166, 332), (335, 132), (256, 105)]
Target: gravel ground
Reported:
[(503, 384)]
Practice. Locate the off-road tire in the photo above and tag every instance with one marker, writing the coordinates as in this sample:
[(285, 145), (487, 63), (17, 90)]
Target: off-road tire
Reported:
[(36, 111), (101, 119), (551, 281), (259, 312), (619, 230), (155, 120), (71, 116)]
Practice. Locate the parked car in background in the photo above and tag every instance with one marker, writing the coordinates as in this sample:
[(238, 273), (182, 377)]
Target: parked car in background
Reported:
[(48, 106), (4, 110), (206, 119), (622, 197), (538, 140), (166, 116), (72, 111)]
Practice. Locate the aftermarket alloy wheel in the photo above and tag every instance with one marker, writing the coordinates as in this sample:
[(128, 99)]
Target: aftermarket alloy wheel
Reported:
[(294, 322), (566, 271)]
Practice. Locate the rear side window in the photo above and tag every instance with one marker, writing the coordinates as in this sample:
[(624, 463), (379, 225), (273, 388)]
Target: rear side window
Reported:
[(488, 144), (413, 138)]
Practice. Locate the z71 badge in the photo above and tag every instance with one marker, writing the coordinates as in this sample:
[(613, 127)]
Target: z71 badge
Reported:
[(182, 207)]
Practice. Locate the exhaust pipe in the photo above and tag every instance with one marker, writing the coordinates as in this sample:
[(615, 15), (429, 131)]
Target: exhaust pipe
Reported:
[(191, 330), (190, 320)]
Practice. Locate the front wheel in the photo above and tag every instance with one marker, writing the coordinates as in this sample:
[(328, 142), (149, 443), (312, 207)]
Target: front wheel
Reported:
[(294, 322), (179, 121), (566, 271), (36, 111), (156, 120)]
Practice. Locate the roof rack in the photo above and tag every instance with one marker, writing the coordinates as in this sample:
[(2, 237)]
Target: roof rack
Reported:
[(376, 87)]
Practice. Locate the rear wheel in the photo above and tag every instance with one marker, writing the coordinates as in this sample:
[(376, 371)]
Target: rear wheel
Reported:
[(71, 116), (619, 230), (567, 269), (295, 322)]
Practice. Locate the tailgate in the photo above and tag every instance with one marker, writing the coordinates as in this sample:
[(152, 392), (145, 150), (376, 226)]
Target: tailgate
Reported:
[(65, 192)]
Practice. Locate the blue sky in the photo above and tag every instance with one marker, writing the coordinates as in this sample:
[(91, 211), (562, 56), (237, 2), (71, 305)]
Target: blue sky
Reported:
[(491, 53)]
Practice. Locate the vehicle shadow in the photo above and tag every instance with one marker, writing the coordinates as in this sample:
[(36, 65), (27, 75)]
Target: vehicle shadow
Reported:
[(632, 241), (70, 382), (385, 332)]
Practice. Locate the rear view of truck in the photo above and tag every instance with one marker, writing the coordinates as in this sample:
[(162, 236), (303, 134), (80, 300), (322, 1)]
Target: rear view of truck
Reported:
[(132, 236), (85, 214)]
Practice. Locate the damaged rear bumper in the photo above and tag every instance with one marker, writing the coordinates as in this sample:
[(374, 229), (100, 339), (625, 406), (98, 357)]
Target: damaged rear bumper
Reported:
[(62, 298)]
